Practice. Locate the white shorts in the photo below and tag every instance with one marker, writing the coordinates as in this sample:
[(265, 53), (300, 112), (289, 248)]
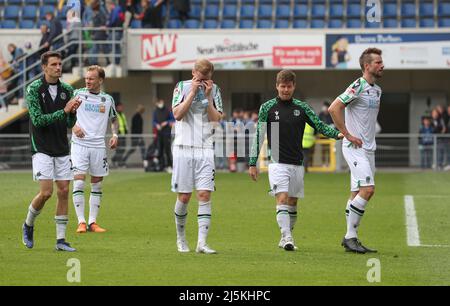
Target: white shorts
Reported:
[(52, 168), (92, 159), (362, 167), (192, 168), (286, 178)]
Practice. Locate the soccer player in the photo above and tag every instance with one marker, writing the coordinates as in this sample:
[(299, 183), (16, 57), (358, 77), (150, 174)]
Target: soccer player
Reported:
[(361, 102), (88, 146), (52, 110), (196, 103), (285, 118)]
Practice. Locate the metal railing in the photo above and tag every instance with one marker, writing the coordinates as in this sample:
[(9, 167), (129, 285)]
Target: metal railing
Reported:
[(28, 67)]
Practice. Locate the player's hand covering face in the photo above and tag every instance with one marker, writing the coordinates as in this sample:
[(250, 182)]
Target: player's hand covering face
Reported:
[(286, 90)]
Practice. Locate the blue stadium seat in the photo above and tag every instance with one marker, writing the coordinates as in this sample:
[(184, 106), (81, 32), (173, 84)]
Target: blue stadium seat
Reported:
[(281, 24), (29, 12), (31, 2), (336, 10), (354, 23), (252, 2), (301, 11), (228, 24), (335, 23), (299, 1), (195, 12), (50, 2), (354, 1), (198, 2), (211, 11), (390, 10), (408, 9), (9, 24), (26, 24), (426, 22), (317, 23), (14, 2), (210, 24), (354, 10), (11, 12), (247, 11), (337, 1), (426, 9), (246, 24), (444, 9), (373, 25), (229, 11), (173, 13), (265, 11), (192, 24), (283, 11), (444, 23), (44, 10), (300, 24), (264, 24), (265, 1), (409, 23), (174, 24), (213, 2), (318, 11), (136, 24), (390, 23)]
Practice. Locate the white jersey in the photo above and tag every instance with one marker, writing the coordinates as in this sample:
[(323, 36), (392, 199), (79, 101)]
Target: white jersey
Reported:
[(93, 116), (362, 102), (194, 129)]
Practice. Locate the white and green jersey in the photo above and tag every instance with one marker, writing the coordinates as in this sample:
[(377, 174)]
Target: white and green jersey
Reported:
[(93, 116), (362, 102), (194, 129)]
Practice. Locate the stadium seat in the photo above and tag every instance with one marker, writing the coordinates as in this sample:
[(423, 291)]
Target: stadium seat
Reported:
[(265, 11), (228, 24), (336, 10), (247, 11), (213, 2), (354, 1), (210, 24), (444, 9), (301, 11), (14, 2), (300, 24), (174, 24), (354, 10), (390, 23), (50, 2), (337, 2), (426, 22), (444, 23), (26, 24), (264, 24), (246, 24), (44, 10), (9, 24), (318, 10), (317, 23), (251, 2), (390, 10), (136, 24), (31, 2), (195, 12), (198, 2), (229, 11), (11, 12), (426, 9), (29, 12), (281, 24), (373, 25), (173, 13), (265, 1), (408, 9), (192, 24), (408, 23), (353, 23), (283, 11), (335, 23), (211, 11)]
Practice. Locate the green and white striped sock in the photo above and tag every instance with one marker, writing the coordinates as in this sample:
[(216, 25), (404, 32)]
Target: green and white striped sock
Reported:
[(180, 212), (204, 221), (283, 220)]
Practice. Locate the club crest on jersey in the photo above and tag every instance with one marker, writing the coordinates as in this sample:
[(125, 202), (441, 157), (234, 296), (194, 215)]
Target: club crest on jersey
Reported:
[(296, 113), (63, 96), (103, 99)]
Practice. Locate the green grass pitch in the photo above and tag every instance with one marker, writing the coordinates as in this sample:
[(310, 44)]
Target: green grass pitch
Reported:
[(139, 247)]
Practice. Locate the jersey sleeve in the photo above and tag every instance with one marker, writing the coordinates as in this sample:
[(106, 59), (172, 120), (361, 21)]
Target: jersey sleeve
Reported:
[(218, 99), (313, 120), (178, 95), (112, 110), (352, 92), (38, 118), (260, 133)]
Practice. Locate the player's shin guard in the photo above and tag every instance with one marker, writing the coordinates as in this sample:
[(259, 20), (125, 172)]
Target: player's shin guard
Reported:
[(357, 209), (180, 212), (61, 226), (94, 201), (78, 200), (204, 221), (292, 209), (283, 220)]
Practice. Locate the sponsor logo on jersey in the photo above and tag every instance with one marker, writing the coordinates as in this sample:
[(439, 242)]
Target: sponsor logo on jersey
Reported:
[(102, 108), (94, 108)]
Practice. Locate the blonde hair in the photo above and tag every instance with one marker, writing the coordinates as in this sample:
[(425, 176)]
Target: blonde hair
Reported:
[(204, 66), (100, 71)]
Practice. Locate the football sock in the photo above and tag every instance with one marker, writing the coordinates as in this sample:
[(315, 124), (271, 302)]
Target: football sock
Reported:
[(283, 220), (94, 201), (347, 209), (292, 210), (180, 212), (204, 221), (357, 208), (61, 225), (31, 216), (78, 200)]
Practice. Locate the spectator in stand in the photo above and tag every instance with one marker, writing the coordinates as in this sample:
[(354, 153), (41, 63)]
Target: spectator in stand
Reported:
[(99, 35), (32, 61), (151, 15), (116, 20), (182, 7), (3, 87), (426, 141), (55, 31), (19, 67), (44, 44), (74, 32)]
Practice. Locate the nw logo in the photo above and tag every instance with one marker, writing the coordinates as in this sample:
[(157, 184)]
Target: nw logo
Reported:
[(158, 50)]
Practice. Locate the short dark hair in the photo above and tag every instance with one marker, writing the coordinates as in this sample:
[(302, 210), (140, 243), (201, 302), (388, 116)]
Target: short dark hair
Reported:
[(47, 55), (286, 76), (366, 56)]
